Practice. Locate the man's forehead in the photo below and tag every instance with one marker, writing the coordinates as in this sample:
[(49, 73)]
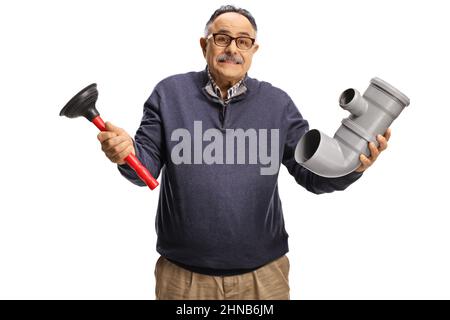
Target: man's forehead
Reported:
[(233, 23)]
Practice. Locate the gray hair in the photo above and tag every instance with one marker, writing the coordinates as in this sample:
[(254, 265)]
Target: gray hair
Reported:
[(230, 8)]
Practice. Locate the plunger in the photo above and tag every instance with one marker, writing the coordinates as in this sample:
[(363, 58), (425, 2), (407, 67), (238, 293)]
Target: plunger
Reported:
[(83, 104)]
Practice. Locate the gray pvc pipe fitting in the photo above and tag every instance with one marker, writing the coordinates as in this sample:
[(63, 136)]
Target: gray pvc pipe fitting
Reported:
[(370, 115)]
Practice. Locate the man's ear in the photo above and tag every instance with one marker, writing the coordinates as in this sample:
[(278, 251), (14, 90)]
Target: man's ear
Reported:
[(255, 48), (203, 44)]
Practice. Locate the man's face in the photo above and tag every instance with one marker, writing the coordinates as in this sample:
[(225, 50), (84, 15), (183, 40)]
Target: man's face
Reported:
[(225, 72)]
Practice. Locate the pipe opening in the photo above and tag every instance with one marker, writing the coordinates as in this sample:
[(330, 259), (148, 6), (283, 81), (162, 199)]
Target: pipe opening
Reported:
[(309, 144), (347, 96)]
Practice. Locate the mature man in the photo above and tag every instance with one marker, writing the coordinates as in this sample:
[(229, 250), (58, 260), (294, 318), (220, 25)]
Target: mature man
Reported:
[(218, 137)]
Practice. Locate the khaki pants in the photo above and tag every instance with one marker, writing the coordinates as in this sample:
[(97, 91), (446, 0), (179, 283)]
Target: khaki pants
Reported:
[(268, 282)]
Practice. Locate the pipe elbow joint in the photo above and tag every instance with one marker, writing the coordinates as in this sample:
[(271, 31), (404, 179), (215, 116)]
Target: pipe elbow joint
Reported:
[(324, 155), (371, 114)]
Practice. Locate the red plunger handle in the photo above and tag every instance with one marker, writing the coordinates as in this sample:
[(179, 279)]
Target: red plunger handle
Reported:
[(131, 160)]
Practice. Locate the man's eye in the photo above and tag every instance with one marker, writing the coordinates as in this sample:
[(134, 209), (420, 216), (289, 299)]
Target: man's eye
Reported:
[(221, 39), (242, 41)]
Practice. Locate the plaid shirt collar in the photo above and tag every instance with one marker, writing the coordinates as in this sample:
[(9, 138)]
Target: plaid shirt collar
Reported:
[(213, 89)]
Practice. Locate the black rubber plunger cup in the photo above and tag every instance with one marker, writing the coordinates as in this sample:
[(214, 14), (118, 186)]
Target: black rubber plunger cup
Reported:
[(83, 105)]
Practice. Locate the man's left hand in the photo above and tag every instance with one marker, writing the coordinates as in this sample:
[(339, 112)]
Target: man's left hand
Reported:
[(374, 151)]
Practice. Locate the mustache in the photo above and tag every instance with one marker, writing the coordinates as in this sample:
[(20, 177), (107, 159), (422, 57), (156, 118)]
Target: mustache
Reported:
[(227, 57)]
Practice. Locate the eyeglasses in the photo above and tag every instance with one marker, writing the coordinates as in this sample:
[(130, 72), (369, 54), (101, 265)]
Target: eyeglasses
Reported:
[(224, 40)]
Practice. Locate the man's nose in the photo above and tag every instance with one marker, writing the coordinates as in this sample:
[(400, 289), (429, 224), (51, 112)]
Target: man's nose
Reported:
[(232, 48)]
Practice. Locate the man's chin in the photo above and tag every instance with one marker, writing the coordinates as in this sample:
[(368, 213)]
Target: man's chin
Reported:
[(232, 71)]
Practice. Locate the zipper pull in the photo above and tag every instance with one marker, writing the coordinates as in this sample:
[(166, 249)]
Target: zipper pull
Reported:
[(223, 114)]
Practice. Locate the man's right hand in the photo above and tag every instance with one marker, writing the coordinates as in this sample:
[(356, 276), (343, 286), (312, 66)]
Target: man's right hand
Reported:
[(116, 143)]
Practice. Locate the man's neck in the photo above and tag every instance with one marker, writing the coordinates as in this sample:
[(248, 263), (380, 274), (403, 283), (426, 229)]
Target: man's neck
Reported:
[(224, 86)]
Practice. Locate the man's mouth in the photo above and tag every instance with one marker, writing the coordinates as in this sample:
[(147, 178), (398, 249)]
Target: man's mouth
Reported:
[(229, 62)]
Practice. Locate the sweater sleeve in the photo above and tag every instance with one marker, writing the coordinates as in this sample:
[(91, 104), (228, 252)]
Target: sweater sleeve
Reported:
[(148, 142), (296, 128)]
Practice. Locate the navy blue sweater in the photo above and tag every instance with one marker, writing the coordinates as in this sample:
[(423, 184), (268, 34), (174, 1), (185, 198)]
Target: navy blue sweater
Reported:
[(224, 214)]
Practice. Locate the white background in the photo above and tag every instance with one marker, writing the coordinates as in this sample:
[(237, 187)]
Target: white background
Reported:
[(71, 227)]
